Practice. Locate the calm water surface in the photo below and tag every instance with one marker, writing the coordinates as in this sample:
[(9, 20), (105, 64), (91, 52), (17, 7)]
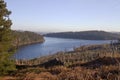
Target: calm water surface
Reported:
[(51, 46)]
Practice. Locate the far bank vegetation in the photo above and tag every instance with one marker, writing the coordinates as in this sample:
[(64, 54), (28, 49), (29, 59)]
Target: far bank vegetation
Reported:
[(26, 37)]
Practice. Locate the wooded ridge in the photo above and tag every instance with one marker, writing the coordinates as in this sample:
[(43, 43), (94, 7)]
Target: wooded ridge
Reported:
[(86, 35), (26, 37)]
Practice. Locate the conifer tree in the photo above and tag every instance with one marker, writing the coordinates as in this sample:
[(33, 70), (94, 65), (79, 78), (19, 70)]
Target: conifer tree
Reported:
[(6, 65)]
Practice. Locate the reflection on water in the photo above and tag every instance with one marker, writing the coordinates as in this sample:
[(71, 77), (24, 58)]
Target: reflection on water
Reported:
[(53, 45)]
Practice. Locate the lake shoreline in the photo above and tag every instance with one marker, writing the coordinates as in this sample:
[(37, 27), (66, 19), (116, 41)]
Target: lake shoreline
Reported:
[(52, 46), (27, 44)]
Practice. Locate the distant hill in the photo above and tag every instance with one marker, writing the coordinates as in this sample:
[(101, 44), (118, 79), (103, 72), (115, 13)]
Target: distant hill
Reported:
[(25, 37), (86, 35)]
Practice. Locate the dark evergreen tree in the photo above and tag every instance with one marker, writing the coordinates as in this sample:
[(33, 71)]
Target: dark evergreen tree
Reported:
[(6, 65)]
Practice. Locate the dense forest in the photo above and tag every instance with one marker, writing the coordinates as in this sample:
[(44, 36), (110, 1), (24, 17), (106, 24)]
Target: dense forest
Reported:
[(26, 37), (6, 64), (87, 35)]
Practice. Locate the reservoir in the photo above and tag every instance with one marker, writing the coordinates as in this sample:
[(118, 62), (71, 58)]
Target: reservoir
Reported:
[(52, 46)]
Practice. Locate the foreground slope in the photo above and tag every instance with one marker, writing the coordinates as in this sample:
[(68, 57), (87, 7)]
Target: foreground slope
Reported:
[(95, 62)]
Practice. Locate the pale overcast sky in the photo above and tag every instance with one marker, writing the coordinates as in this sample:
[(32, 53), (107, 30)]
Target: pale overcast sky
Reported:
[(65, 15)]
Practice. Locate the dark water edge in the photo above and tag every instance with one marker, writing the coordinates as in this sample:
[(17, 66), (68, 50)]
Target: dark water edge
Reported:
[(52, 46)]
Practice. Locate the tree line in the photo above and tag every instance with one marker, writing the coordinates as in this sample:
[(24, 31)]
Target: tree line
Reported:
[(26, 37), (6, 65), (86, 35)]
